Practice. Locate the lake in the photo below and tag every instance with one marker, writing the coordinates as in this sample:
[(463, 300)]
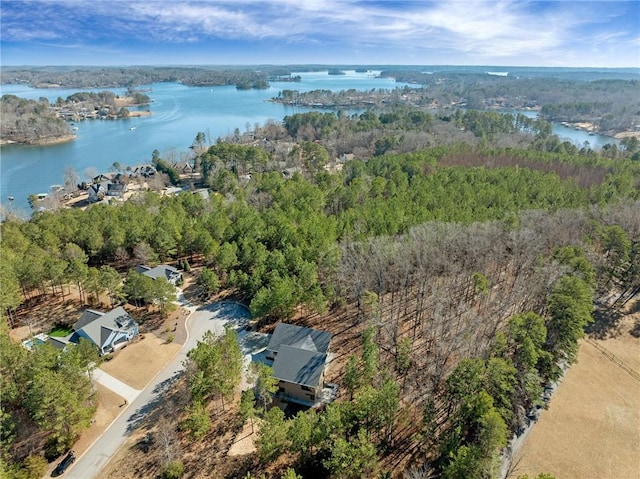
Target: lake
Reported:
[(179, 112)]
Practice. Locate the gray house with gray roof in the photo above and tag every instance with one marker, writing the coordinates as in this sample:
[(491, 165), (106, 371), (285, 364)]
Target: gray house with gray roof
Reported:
[(299, 357), (165, 271), (108, 331)]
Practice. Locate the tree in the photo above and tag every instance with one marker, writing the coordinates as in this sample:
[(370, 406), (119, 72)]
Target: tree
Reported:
[(140, 288), (265, 384), (111, 281), (304, 433), (369, 355), (71, 178), (247, 406), (208, 282), (197, 421), (61, 404), (290, 473), (570, 306), (217, 366), (352, 459), (351, 379), (273, 436), (164, 294), (174, 470)]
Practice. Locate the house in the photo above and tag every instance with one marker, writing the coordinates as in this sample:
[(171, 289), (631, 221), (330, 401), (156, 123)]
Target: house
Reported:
[(147, 171), (299, 356), (165, 271), (116, 189), (101, 178), (183, 167), (97, 191), (108, 331)]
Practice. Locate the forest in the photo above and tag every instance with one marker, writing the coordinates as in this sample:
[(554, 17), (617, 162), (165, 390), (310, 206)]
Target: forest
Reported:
[(30, 122), (617, 107), (105, 77), (457, 257), (468, 272)]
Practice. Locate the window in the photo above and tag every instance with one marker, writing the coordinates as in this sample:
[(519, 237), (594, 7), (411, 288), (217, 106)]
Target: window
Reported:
[(305, 388)]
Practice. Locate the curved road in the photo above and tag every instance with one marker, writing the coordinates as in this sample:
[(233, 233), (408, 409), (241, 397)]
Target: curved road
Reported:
[(91, 463)]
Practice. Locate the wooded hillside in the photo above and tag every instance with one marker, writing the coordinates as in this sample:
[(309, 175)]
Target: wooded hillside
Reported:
[(465, 275)]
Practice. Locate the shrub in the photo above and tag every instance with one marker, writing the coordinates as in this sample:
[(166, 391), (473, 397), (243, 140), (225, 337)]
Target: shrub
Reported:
[(174, 470)]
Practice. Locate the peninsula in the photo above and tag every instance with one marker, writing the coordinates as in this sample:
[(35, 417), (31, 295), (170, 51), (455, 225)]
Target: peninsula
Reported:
[(38, 122)]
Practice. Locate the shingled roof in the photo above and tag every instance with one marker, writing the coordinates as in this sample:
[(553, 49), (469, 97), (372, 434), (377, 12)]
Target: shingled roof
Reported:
[(299, 337), (301, 354), (299, 366)]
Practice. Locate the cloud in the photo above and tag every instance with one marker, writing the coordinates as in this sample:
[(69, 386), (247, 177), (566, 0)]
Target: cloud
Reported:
[(480, 28)]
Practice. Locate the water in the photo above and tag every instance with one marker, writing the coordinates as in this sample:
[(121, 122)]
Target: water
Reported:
[(566, 133), (178, 113)]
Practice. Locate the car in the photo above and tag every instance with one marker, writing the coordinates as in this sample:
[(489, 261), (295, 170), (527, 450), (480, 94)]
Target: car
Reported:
[(65, 463)]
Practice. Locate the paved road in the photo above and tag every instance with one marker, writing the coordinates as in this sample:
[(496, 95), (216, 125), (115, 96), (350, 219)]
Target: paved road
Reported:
[(213, 318)]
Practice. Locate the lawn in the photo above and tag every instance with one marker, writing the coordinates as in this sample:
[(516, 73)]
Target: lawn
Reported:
[(60, 332)]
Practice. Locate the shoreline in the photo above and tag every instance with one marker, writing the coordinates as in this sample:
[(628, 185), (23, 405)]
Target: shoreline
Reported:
[(137, 114), (40, 142)]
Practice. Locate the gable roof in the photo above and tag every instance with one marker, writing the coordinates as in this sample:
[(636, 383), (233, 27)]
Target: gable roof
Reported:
[(307, 339), (162, 271), (299, 366), (99, 326), (88, 316)]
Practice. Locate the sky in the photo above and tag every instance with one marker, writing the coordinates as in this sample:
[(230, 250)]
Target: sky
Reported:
[(390, 32)]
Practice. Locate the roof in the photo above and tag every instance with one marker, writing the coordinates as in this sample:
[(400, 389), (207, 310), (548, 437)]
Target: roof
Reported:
[(59, 343), (299, 366), (307, 339), (102, 325), (162, 271), (97, 187), (88, 315), (116, 187)]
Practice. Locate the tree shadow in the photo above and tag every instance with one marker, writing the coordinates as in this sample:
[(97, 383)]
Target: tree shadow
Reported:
[(606, 322)]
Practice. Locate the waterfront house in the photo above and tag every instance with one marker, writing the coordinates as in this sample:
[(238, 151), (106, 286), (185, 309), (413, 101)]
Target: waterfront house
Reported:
[(116, 189), (299, 357), (97, 191)]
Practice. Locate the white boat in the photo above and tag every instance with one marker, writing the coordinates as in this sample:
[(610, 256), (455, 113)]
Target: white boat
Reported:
[(132, 128)]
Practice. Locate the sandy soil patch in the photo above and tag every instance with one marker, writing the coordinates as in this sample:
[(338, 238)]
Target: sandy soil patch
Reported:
[(139, 362), (592, 426), (244, 443)]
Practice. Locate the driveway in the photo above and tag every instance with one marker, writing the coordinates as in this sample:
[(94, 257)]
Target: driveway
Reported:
[(117, 386), (212, 317)]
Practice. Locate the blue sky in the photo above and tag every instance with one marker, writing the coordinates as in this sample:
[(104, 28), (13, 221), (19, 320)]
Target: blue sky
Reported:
[(446, 32)]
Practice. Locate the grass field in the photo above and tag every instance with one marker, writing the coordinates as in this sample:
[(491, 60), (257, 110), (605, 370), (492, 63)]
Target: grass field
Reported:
[(592, 427)]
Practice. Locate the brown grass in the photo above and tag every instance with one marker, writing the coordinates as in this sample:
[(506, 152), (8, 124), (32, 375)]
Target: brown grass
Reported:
[(592, 426), (139, 362)]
